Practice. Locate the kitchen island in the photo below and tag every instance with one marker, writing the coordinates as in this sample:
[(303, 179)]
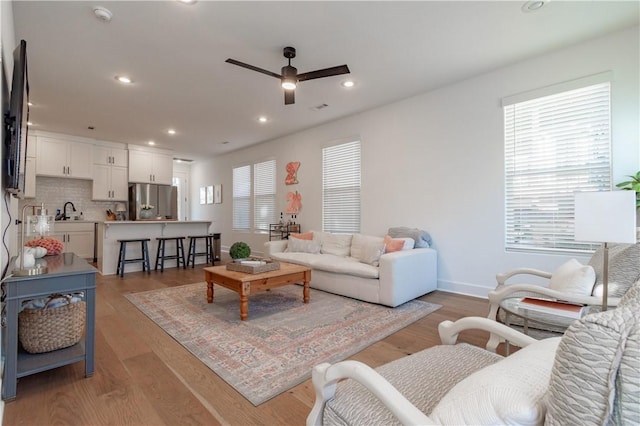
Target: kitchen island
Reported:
[(110, 232)]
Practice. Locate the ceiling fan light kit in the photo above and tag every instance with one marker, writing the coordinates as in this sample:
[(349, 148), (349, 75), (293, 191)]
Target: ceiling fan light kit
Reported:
[(289, 76)]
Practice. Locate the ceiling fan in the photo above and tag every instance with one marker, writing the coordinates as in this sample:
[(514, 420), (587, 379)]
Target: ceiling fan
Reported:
[(290, 76)]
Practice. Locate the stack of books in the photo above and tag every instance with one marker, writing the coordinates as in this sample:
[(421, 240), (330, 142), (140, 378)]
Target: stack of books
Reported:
[(554, 307)]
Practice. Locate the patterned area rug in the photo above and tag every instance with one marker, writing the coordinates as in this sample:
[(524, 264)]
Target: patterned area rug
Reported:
[(283, 338)]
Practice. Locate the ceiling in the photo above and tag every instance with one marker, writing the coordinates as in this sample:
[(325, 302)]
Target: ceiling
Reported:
[(176, 53)]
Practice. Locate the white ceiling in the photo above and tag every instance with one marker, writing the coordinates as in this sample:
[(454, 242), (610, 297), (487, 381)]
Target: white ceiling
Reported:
[(175, 53)]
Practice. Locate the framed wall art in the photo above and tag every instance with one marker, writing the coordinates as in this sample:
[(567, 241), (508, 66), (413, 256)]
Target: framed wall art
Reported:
[(210, 194), (217, 194), (203, 195)]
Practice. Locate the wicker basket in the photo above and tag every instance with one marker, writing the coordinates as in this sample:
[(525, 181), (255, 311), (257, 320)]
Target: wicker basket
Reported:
[(48, 329)]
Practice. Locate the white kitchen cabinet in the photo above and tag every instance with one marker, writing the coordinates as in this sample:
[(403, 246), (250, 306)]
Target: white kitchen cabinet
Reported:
[(61, 158), (30, 178), (109, 156), (110, 183), (150, 167)]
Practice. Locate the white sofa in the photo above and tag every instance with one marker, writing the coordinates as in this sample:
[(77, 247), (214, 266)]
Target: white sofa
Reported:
[(344, 265)]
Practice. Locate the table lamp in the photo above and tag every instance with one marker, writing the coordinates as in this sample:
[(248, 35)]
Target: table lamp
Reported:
[(120, 210), (41, 225), (605, 217)]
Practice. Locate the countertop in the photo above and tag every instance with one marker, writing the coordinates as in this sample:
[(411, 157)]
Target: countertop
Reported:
[(151, 221)]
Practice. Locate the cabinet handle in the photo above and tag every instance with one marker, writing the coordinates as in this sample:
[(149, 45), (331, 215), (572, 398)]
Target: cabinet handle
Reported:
[(68, 238), (64, 170)]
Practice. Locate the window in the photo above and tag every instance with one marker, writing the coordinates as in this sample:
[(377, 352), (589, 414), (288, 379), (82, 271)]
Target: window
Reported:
[(255, 183), (555, 145), (341, 188), (241, 198), (264, 195)]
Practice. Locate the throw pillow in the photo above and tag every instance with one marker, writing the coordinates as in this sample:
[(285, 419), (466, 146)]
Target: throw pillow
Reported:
[(360, 242), (296, 245), (52, 245), (510, 391), (336, 244), (305, 236), (372, 252), (391, 245), (573, 277), (624, 268)]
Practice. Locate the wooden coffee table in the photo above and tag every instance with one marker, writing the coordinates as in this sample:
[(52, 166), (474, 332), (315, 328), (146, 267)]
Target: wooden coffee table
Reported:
[(245, 284)]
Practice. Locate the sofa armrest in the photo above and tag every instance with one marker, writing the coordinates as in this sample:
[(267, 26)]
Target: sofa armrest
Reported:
[(277, 246), (407, 274)]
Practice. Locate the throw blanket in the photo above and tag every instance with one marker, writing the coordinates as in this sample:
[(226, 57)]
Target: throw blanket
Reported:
[(422, 238)]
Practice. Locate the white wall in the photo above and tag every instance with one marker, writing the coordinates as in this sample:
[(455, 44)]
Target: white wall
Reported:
[(435, 161)]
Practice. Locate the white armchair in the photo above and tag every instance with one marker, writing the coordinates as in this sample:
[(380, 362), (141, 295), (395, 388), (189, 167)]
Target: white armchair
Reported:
[(624, 270), (464, 384)]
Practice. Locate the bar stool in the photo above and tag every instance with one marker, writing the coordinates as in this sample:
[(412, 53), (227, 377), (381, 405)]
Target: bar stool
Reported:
[(192, 253), (122, 257), (161, 256)]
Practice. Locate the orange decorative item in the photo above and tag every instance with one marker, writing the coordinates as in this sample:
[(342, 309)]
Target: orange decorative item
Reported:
[(52, 245), (292, 170), (294, 200)]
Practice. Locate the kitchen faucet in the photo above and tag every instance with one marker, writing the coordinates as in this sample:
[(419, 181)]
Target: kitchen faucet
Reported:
[(64, 210)]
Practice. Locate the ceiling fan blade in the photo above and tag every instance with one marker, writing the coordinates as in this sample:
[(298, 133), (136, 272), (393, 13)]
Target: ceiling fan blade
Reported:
[(251, 67), (289, 97), (327, 72)]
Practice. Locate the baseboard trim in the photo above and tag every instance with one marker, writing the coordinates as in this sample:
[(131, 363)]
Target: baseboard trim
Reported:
[(467, 289)]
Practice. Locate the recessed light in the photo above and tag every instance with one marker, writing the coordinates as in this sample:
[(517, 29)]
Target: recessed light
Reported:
[(171, 131), (29, 123), (151, 143), (189, 2), (123, 79), (102, 13), (533, 5), (262, 119), (30, 103), (348, 83)]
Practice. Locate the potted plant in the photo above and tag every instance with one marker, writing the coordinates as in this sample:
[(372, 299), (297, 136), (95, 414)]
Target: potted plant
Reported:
[(239, 250), (632, 185)]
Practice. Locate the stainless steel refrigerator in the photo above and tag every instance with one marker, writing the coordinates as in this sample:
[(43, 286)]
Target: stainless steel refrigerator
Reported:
[(163, 198)]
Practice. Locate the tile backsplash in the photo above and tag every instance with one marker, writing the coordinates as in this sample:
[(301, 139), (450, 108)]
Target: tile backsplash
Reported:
[(54, 192)]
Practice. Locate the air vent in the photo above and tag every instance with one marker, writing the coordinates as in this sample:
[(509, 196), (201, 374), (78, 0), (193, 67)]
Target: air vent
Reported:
[(319, 107)]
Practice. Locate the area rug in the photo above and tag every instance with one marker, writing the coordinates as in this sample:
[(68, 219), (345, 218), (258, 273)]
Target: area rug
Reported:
[(283, 338)]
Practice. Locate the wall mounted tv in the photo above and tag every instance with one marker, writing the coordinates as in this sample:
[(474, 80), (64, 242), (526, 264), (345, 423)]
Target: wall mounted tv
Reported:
[(15, 122)]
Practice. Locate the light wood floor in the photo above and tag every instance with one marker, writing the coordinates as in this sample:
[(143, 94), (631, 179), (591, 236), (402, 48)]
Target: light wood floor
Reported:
[(144, 377)]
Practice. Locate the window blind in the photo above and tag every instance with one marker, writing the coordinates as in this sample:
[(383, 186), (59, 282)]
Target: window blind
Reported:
[(555, 146), (264, 195), (341, 188), (241, 198)]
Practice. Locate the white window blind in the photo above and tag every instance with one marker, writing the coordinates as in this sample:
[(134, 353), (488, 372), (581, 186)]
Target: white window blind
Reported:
[(241, 198), (341, 188), (555, 146), (264, 195)]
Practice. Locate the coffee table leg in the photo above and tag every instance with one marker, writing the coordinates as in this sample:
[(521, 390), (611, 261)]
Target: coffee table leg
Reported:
[(209, 292), (305, 292), (244, 301)]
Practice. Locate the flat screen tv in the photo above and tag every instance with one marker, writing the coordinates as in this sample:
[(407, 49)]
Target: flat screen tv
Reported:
[(15, 134)]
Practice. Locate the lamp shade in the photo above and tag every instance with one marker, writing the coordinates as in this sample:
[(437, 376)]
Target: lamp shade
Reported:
[(120, 207), (605, 216)]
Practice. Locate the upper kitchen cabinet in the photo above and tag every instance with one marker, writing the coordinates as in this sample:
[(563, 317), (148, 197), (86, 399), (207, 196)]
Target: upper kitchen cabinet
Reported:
[(30, 169), (110, 173), (110, 156), (63, 158), (150, 166)]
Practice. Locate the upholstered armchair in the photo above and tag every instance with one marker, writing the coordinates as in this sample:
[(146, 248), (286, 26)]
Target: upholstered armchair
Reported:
[(571, 282), (590, 375)]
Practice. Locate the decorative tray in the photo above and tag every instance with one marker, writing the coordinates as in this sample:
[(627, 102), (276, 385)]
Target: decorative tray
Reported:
[(253, 265)]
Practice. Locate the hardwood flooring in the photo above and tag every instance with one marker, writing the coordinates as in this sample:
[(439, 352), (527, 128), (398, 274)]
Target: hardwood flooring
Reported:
[(144, 377)]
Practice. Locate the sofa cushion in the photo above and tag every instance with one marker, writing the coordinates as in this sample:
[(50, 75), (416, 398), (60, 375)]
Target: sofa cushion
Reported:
[(344, 265), (574, 278), (508, 392), (296, 245), (595, 374), (367, 249), (304, 259), (336, 244)]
